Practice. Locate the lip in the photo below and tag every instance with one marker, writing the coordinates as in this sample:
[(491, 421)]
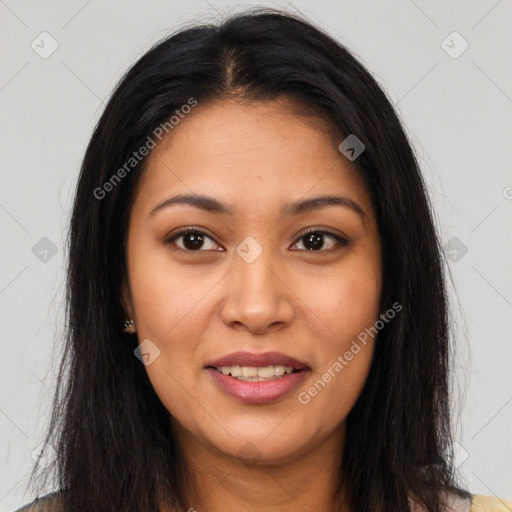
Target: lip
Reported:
[(258, 360), (258, 392)]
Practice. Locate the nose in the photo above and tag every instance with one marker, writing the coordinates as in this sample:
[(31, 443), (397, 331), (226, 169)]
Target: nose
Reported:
[(257, 296)]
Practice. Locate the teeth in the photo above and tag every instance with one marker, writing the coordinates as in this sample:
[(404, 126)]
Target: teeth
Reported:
[(281, 370), (266, 371), (256, 374), (248, 371)]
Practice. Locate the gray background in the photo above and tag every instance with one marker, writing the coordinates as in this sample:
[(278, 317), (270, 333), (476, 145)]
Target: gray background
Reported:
[(456, 110)]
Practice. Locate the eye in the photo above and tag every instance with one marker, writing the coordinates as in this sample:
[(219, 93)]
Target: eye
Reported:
[(193, 241), (314, 240)]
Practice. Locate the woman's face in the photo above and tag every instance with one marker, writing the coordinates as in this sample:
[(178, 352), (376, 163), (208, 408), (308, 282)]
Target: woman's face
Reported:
[(252, 282)]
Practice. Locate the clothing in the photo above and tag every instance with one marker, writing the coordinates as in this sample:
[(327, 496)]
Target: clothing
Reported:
[(482, 503), (479, 503)]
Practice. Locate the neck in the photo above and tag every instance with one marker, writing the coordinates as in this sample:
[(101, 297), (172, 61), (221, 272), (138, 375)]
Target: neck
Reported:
[(305, 481)]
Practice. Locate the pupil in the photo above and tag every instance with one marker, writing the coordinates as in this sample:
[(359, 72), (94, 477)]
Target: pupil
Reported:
[(315, 240), (193, 240)]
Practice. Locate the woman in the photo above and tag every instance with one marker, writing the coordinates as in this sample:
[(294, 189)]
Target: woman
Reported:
[(251, 213)]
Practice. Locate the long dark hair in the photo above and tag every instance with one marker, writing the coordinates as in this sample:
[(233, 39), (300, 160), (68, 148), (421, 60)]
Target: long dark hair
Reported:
[(114, 443)]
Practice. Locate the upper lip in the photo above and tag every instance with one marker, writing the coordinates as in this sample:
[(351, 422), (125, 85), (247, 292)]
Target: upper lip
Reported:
[(257, 360)]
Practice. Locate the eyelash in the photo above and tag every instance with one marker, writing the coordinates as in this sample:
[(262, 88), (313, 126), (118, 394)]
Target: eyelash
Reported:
[(342, 242)]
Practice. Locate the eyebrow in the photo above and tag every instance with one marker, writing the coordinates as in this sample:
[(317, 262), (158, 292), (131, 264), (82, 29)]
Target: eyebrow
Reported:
[(211, 204)]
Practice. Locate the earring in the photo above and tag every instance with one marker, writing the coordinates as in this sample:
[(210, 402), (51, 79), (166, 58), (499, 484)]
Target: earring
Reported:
[(129, 326)]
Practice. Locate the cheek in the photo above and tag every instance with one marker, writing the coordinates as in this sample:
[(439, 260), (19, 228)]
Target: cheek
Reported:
[(331, 394), (348, 305), (164, 295), (347, 302), (167, 303), (343, 355)]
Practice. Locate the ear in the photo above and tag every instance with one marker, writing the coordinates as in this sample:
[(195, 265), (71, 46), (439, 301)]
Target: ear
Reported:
[(126, 298)]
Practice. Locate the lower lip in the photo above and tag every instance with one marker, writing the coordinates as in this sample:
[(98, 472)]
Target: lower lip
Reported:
[(257, 392)]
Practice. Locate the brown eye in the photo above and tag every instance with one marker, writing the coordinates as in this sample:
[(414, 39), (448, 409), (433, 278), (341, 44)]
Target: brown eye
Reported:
[(314, 241), (192, 240)]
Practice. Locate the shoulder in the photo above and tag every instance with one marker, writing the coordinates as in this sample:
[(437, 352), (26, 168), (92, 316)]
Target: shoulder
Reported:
[(482, 503), (49, 503)]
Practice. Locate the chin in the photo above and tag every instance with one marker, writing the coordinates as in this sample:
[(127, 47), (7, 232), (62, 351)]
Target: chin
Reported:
[(271, 454), (262, 449)]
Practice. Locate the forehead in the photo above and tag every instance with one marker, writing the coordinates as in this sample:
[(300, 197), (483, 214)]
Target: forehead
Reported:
[(249, 155)]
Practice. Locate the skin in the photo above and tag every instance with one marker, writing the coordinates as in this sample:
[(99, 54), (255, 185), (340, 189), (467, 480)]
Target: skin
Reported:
[(307, 304)]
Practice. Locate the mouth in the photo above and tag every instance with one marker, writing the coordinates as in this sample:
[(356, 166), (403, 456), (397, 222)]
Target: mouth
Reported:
[(257, 378), (256, 373)]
